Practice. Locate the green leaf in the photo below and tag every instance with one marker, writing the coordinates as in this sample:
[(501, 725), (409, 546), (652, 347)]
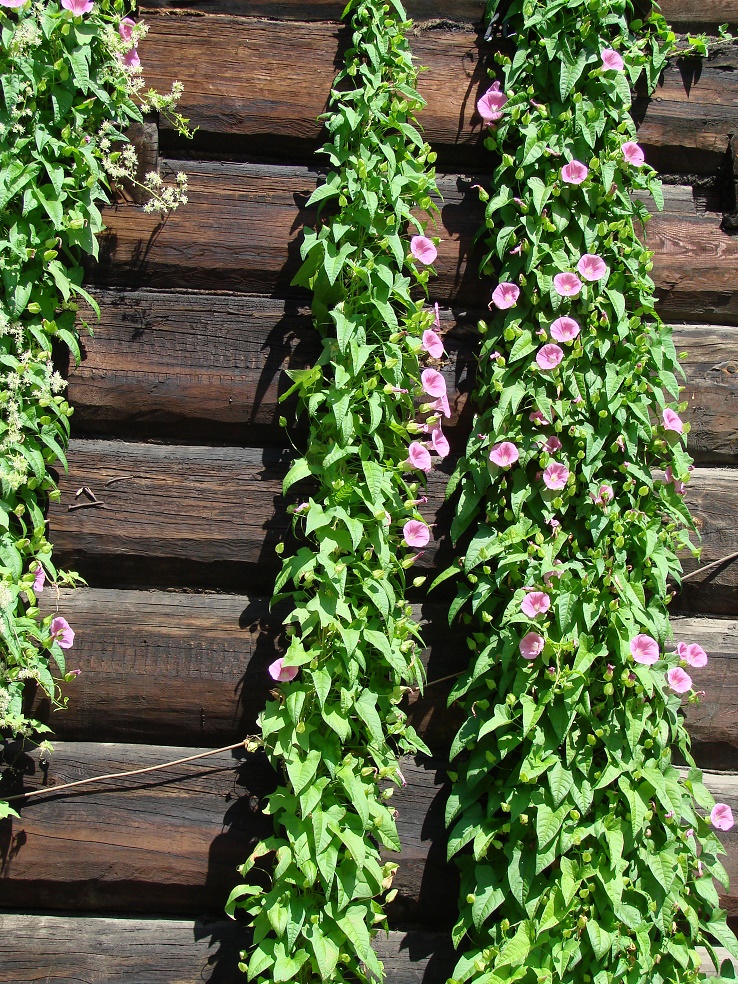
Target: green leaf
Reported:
[(299, 470), (302, 771)]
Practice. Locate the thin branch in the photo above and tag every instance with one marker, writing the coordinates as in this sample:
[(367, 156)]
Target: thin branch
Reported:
[(707, 567)]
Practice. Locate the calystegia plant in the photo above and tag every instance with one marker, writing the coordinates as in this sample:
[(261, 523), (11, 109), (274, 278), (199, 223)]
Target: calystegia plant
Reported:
[(585, 854)]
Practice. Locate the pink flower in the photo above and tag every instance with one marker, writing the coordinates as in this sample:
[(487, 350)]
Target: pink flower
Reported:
[(537, 418), (39, 579), (564, 329), (125, 28), (574, 173), (437, 319), (13, 4), (62, 632), (531, 645), (554, 524), (439, 442), (302, 507), (669, 478), (516, 250), (672, 421), (504, 454), (130, 59), (549, 356), (567, 284), (432, 344), (423, 249), (592, 267), (698, 869), (556, 475), (611, 61), (535, 603), (441, 405), (605, 494), (433, 382), (692, 654), (633, 153), (418, 457), (282, 673), (557, 563), (552, 445), (496, 355), (416, 533), (504, 296), (721, 816), (73, 673), (490, 105), (644, 649), (78, 7), (679, 681)]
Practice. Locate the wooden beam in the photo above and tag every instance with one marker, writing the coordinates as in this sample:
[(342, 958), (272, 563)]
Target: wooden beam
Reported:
[(171, 841), (242, 227), (190, 669), (59, 949), (166, 363)]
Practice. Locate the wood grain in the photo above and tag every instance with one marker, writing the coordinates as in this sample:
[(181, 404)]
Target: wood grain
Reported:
[(247, 94), (241, 232), (171, 841), (59, 949), (189, 366), (200, 517)]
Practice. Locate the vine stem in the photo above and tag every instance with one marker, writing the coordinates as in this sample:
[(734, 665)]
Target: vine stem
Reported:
[(707, 567), (132, 772)]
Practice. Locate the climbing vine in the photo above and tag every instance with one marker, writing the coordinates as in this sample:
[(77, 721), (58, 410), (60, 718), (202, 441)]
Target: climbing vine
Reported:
[(71, 84), (585, 855), (334, 731)]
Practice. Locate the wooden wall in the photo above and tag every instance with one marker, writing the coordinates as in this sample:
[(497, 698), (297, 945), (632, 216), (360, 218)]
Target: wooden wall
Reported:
[(175, 432)]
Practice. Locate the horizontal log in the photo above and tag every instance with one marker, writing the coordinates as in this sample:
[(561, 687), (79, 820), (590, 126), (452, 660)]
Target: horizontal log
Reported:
[(169, 364), (171, 841), (191, 669), (241, 231), (221, 511), (59, 949), (682, 14), (247, 94)]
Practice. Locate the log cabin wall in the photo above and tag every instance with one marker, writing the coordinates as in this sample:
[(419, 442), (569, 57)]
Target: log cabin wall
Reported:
[(176, 432)]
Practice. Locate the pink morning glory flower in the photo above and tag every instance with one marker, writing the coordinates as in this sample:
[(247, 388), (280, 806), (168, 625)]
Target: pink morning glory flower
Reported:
[(282, 673), (567, 284), (39, 579), (549, 356), (423, 249), (672, 421), (633, 153), (564, 329), (418, 457), (62, 632), (592, 267), (679, 681), (504, 454), (433, 382), (130, 59), (552, 445), (531, 645), (644, 649), (439, 442), (537, 418), (535, 603), (437, 315), (13, 4), (557, 563), (721, 816), (611, 61), (574, 172), (669, 478), (504, 296), (78, 7), (490, 105), (441, 405), (432, 344), (415, 533), (555, 476), (693, 654), (605, 494), (125, 28)]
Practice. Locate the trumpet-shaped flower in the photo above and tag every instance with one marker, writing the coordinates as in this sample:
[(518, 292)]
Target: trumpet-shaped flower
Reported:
[(633, 153), (605, 494), (504, 296), (672, 421), (504, 454), (564, 329), (39, 579), (432, 344), (415, 533), (423, 249), (531, 645), (441, 405), (574, 172), (437, 315), (679, 681), (78, 7), (62, 632), (418, 456), (433, 382), (692, 654), (13, 4), (549, 356), (555, 475), (130, 59), (644, 649), (490, 105), (669, 477), (592, 267), (552, 445), (125, 28), (282, 673), (439, 443), (612, 61), (721, 816), (567, 284), (535, 603)]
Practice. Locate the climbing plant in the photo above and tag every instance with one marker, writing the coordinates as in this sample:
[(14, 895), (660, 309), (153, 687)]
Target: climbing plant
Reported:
[(71, 84), (585, 854), (334, 731)]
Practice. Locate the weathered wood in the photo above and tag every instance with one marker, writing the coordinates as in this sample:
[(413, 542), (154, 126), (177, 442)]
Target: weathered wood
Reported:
[(59, 949), (190, 669), (171, 841), (244, 87), (220, 511), (241, 232), (211, 366), (682, 14)]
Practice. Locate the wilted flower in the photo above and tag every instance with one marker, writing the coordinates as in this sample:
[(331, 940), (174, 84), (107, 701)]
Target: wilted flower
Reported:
[(531, 645), (282, 673), (644, 649), (504, 454), (574, 172), (490, 105), (125, 28), (504, 296), (605, 494), (552, 445), (423, 249), (670, 478), (537, 417), (437, 315)]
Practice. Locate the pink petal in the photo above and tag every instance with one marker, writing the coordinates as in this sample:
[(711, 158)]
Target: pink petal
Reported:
[(567, 284), (695, 656), (419, 457), (62, 632), (679, 681), (125, 28), (423, 249), (433, 383), (574, 173), (441, 405), (555, 475), (672, 421), (416, 533), (549, 356), (432, 344), (504, 454), (39, 580), (282, 673), (505, 296), (721, 816), (490, 105), (535, 603), (439, 442), (633, 153), (592, 267), (531, 645), (564, 329), (611, 61), (644, 649)]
